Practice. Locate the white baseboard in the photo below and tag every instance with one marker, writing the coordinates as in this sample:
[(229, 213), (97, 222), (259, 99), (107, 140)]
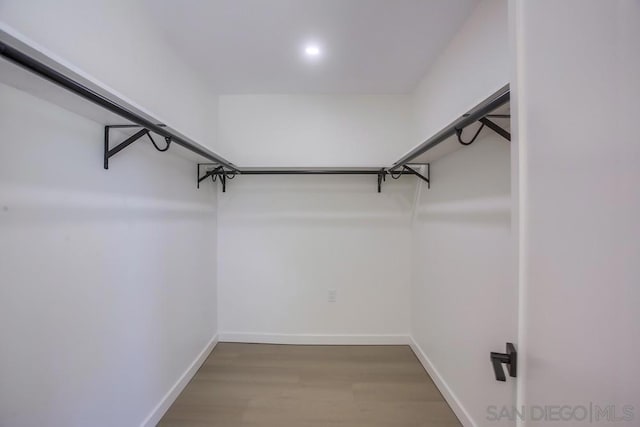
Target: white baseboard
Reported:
[(173, 393), (314, 339), (444, 388)]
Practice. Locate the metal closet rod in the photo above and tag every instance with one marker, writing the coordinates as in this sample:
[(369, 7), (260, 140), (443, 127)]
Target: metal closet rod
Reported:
[(218, 171), (480, 111), (316, 172), (29, 63), (311, 171)]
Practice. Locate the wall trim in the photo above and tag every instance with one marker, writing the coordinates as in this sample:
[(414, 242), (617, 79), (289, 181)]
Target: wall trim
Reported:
[(167, 400), (314, 339), (442, 385)]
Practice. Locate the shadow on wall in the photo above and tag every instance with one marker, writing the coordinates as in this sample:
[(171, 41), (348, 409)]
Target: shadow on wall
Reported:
[(108, 277), (317, 200), (45, 148), (471, 185)]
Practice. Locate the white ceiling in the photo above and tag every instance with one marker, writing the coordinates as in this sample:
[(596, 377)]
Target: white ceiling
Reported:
[(255, 46)]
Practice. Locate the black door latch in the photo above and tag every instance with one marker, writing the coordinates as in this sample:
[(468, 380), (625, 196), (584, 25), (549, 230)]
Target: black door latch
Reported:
[(510, 358)]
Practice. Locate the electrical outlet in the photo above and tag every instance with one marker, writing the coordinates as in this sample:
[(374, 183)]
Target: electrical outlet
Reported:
[(332, 295)]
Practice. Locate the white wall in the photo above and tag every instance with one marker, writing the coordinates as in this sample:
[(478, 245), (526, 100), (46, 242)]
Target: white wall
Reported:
[(474, 65), (116, 42), (284, 241), (108, 277), (580, 235), (314, 130), (464, 297)]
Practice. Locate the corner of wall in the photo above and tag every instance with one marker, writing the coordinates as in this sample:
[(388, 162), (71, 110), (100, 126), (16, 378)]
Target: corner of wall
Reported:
[(448, 394), (167, 400)]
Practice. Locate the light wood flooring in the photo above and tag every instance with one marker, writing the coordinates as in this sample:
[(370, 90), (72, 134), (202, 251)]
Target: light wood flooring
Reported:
[(258, 385)]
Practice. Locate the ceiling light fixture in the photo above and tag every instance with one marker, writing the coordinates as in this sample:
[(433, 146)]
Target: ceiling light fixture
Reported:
[(312, 51)]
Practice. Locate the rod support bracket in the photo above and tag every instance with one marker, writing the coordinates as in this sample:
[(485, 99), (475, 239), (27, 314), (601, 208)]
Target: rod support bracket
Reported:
[(381, 177), (496, 128), (426, 179), (218, 172), (484, 121), (110, 152)]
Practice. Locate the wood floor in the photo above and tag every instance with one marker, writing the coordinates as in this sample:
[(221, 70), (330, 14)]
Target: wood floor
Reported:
[(257, 385)]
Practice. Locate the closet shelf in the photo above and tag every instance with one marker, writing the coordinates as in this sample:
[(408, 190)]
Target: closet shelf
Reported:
[(492, 110), (16, 52), (218, 172), (80, 93)]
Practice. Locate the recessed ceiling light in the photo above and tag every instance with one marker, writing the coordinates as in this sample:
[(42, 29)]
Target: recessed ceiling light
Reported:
[(312, 50)]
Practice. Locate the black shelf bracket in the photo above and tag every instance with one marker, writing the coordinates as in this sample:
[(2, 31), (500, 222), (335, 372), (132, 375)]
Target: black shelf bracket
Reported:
[(381, 178), (110, 152), (210, 173), (496, 128), (217, 173), (426, 179), (484, 122), (407, 170)]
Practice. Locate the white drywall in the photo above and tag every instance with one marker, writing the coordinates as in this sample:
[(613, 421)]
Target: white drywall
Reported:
[(108, 296), (314, 130), (108, 277), (117, 42), (464, 295), (285, 241), (577, 88), (472, 66)]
